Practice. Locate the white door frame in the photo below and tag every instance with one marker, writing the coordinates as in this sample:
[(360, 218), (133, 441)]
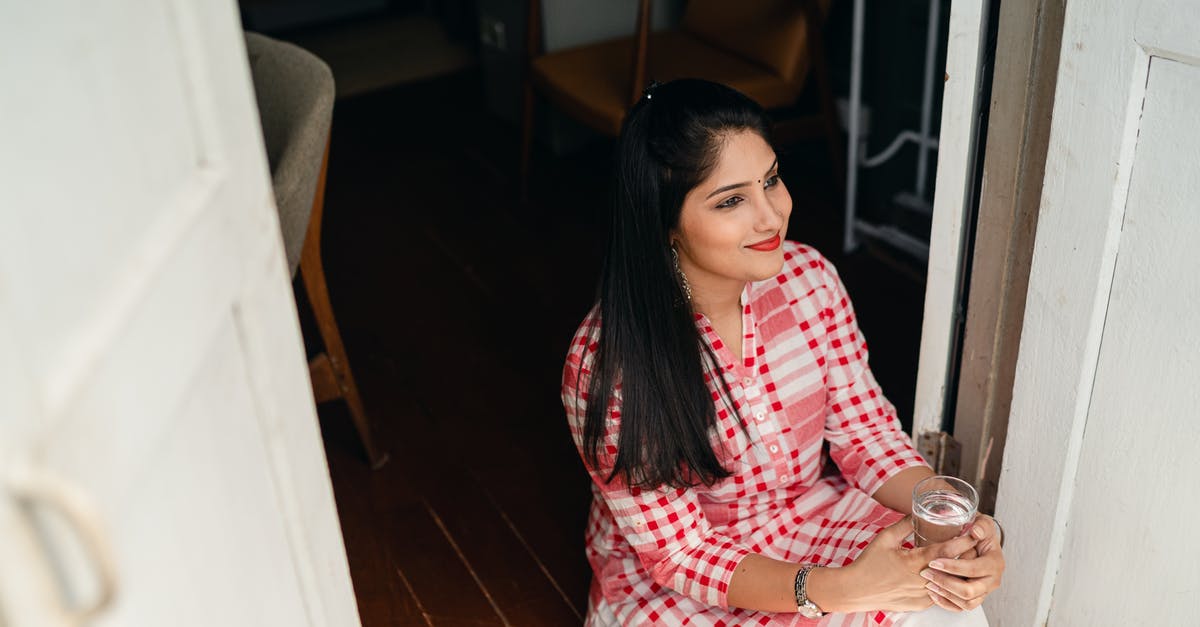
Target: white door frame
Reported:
[(1028, 37), (951, 203)]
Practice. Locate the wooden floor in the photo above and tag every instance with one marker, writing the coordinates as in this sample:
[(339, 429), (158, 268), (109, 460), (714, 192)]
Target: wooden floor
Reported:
[(456, 309)]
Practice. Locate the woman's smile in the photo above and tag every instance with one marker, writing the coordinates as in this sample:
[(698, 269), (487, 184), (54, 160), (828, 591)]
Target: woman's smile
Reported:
[(768, 244)]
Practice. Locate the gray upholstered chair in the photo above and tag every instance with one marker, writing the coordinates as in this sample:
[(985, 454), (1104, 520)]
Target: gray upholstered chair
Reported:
[(295, 94)]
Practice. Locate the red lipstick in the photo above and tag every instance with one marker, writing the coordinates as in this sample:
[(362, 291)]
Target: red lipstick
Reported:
[(767, 245)]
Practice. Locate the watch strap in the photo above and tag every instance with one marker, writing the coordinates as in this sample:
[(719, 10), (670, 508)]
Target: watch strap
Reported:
[(804, 605)]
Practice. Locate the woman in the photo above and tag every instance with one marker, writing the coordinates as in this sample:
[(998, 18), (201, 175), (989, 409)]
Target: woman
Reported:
[(700, 391)]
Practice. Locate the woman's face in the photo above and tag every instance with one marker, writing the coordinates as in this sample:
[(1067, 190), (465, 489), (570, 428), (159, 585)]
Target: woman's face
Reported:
[(732, 224)]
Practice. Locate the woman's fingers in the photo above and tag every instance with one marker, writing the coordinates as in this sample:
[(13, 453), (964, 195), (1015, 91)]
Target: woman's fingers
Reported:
[(947, 550), (987, 530), (962, 584), (962, 568), (963, 589), (984, 529), (944, 599), (970, 554), (981, 566), (941, 601)]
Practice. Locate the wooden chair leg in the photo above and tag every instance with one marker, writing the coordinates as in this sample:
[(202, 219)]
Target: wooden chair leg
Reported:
[(325, 384), (334, 360)]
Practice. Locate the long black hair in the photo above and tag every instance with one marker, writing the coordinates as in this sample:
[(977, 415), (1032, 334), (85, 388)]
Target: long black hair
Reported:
[(648, 340)]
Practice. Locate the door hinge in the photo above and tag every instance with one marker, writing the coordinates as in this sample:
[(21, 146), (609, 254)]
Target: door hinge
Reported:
[(942, 452)]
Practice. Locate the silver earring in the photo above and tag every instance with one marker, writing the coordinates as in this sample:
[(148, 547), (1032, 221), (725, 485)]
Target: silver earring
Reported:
[(687, 289)]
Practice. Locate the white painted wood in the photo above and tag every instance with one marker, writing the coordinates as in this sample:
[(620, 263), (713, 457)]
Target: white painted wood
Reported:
[(950, 203), (152, 362), (1101, 405), (27, 592), (1135, 499)]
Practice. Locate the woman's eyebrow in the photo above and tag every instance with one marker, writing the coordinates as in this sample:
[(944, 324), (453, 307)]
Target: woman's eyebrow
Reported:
[(726, 188)]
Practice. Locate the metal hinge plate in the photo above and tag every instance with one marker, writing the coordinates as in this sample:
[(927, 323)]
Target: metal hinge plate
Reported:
[(942, 452)]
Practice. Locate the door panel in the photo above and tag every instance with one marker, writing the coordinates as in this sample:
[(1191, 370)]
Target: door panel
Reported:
[(1136, 498), (1098, 487), (152, 372), (166, 328), (85, 122), (201, 519)]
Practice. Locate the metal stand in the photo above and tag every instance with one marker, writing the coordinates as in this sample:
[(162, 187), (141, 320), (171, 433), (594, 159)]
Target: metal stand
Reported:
[(925, 142)]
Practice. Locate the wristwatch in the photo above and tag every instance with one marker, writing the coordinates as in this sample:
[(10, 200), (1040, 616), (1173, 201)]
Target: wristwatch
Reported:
[(804, 605)]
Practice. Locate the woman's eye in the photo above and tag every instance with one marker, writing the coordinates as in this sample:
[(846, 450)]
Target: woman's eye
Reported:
[(732, 201), (771, 182)]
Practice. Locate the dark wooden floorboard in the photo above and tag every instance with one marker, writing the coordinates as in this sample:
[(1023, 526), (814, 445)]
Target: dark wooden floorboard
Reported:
[(514, 579), (383, 596), (550, 518), (443, 582), (431, 457)]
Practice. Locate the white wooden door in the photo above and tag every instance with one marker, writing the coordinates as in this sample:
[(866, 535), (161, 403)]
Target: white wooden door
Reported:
[(1098, 491), (160, 459)]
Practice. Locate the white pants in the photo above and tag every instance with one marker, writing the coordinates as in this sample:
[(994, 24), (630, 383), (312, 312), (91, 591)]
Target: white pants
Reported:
[(933, 616), (937, 617)]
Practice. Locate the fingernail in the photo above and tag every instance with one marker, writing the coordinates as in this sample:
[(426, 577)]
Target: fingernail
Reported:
[(932, 588), (978, 532), (936, 564), (928, 574)]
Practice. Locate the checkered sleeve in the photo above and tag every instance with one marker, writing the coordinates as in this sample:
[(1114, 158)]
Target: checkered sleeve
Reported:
[(864, 433), (666, 527)]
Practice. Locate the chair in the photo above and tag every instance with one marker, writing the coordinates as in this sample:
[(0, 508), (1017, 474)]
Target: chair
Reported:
[(295, 93), (766, 49)]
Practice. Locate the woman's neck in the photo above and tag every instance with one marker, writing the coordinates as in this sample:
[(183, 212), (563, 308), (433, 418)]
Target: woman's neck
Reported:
[(723, 307), (718, 302)]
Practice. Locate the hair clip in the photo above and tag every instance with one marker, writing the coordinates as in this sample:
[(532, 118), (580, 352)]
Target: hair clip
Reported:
[(648, 92)]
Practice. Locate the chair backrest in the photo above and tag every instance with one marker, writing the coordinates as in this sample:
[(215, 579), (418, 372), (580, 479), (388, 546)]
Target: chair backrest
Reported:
[(295, 93), (772, 33)]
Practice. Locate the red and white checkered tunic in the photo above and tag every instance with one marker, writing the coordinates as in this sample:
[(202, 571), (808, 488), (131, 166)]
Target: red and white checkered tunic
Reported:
[(666, 556)]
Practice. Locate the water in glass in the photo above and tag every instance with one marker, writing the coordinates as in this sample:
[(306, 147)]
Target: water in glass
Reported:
[(940, 515)]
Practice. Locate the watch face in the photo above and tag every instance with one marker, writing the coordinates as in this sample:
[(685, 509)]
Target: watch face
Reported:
[(810, 610)]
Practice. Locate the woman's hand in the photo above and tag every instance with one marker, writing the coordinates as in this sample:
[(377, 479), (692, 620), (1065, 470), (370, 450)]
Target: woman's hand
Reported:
[(885, 576), (962, 584)]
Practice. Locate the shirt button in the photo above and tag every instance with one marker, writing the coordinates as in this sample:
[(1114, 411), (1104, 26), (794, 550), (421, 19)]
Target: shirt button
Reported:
[(760, 416), (747, 381), (784, 478), (774, 449)]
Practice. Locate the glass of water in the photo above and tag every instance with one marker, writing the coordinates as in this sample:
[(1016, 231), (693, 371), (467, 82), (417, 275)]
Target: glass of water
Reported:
[(942, 508)]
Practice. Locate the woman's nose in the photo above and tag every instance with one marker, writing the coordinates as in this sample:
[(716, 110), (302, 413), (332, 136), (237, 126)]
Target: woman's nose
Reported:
[(768, 217)]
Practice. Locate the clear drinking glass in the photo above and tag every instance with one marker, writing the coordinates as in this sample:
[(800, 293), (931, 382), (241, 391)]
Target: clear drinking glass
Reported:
[(942, 508)]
